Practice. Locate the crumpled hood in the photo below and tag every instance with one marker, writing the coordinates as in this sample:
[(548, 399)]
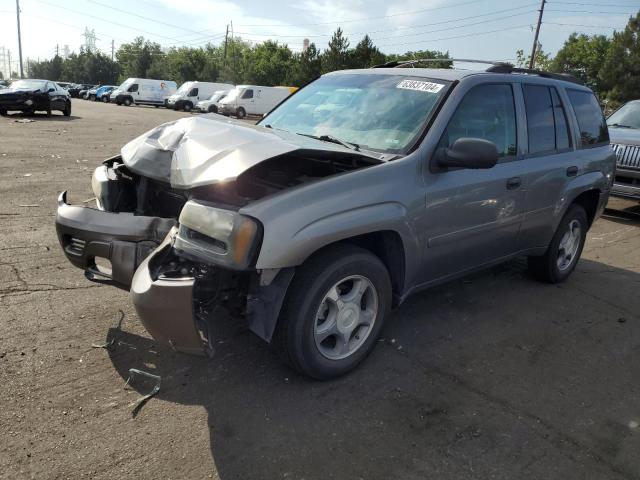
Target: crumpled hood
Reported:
[(624, 136), (209, 149)]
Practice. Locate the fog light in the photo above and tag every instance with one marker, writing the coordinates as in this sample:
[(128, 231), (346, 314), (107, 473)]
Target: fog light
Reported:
[(28, 102)]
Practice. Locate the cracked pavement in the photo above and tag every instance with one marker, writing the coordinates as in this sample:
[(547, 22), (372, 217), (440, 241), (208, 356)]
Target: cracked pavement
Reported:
[(491, 376)]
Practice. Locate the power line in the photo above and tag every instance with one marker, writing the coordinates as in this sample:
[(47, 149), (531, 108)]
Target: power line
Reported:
[(368, 18), (405, 35), (584, 11), (579, 25), (593, 4)]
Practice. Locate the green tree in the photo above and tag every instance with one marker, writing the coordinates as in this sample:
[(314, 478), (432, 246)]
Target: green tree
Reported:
[(337, 56), (307, 66), (366, 54), (583, 56), (542, 61), (620, 73), (269, 64), (136, 58)]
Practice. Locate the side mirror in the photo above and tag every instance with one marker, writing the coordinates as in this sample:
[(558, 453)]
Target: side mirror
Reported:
[(468, 153)]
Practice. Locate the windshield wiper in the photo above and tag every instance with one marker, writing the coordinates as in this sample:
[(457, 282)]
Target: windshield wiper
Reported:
[(620, 125), (332, 139)]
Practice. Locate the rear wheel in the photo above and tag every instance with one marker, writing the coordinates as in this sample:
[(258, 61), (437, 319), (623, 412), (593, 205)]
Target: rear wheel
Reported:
[(241, 113), (67, 110), (333, 312), (565, 249)]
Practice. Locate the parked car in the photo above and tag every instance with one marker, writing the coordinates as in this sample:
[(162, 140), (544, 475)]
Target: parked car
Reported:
[(29, 96), (246, 100), (624, 128), (102, 93), (191, 93), (64, 85), (74, 90), (211, 104), (311, 225), (143, 91), (84, 93)]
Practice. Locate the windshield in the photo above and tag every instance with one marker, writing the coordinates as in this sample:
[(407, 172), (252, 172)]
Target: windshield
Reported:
[(184, 88), (233, 93), (217, 96), (377, 112), (28, 84), (626, 116)]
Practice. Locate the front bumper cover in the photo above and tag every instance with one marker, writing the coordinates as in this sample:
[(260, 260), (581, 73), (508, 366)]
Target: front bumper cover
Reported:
[(123, 239)]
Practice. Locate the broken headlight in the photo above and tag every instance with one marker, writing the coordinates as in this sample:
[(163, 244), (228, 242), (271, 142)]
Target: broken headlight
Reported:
[(217, 236)]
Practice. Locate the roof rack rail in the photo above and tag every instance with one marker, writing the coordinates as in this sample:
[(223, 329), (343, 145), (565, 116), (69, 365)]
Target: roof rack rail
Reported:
[(508, 68), (402, 63), (496, 67)]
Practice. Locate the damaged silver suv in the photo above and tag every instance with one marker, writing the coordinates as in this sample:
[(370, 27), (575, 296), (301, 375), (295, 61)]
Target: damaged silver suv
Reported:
[(359, 190)]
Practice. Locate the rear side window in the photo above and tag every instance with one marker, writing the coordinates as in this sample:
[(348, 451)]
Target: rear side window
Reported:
[(487, 112), (546, 120), (593, 127)]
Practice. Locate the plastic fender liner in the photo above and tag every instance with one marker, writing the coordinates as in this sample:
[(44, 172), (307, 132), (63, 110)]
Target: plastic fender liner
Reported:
[(264, 303)]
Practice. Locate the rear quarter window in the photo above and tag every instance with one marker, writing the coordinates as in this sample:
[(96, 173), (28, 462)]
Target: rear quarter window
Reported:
[(593, 127)]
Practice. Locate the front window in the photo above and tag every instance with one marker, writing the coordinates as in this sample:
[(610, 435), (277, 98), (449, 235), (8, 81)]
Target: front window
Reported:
[(28, 84), (627, 116), (247, 94), (384, 113), (193, 92)]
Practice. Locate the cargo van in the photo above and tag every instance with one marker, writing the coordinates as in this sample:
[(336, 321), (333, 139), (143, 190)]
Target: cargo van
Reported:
[(246, 100), (190, 93), (143, 91)]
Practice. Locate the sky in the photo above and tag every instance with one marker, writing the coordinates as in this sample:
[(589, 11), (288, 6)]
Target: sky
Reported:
[(481, 29)]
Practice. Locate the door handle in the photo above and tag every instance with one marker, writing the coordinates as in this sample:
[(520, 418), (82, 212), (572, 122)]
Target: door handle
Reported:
[(514, 183), (572, 171)]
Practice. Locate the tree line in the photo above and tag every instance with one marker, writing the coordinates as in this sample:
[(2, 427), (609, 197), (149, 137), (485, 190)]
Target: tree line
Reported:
[(608, 64)]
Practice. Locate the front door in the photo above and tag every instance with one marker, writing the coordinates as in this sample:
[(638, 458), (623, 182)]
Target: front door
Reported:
[(473, 216)]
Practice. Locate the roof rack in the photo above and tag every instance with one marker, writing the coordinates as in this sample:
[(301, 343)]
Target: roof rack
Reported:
[(496, 67)]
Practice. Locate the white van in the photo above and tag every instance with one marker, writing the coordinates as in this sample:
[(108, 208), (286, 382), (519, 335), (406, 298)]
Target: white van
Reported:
[(253, 100), (191, 93), (212, 104), (143, 91)]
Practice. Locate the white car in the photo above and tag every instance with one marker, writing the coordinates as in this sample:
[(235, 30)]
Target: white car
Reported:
[(211, 105), (190, 93)]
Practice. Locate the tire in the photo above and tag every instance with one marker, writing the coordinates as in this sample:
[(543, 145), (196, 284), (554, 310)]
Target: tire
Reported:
[(187, 106), (127, 102), (212, 109), (303, 342), (552, 267), (241, 113), (67, 111), (3, 113), (105, 99)]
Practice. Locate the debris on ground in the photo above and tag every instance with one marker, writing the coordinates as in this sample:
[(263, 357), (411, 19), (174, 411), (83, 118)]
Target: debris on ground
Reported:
[(107, 345), (27, 175), (138, 404), (29, 205), (24, 120)]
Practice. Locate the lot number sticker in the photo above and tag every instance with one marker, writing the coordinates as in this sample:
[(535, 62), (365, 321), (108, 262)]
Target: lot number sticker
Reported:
[(428, 87)]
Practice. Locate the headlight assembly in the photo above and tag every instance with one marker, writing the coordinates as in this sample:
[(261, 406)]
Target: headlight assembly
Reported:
[(217, 236)]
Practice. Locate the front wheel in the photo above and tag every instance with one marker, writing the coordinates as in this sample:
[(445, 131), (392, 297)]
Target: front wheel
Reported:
[(565, 249), (127, 102), (187, 106), (3, 113), (333, 312), (105, 99), (212, 109), (67, 110), (241, 113)]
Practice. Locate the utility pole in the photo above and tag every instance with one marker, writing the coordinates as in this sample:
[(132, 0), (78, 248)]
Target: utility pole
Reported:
[(532, 62), (226, 36), (19, 38), (57, 50), (9, 61), (233, 45)]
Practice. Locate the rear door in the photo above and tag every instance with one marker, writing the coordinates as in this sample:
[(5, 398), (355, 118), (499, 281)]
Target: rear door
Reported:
[(550, 161), (472, 217)]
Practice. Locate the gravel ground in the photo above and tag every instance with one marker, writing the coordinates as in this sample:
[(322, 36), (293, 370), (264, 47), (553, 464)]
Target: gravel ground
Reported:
[(493, 376)]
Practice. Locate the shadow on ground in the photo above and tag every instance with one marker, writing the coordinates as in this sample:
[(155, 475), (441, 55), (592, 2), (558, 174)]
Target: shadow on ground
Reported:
[(40, 116), (492, 376)]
